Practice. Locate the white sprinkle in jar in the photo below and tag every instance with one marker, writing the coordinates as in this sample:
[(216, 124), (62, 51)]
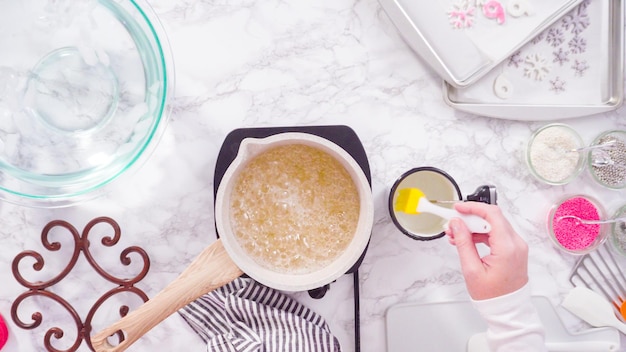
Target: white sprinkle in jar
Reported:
[(551, 154)]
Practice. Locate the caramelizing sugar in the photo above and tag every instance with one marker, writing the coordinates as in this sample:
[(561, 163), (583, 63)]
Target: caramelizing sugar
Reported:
[(294, 209)]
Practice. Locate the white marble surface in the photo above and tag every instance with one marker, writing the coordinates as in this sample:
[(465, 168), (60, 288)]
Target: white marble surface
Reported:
[(246, 63)]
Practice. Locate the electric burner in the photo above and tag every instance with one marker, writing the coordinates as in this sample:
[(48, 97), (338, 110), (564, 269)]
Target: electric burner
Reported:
[(341, 135)]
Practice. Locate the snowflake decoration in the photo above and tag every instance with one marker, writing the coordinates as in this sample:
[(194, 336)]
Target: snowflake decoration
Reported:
[(557, 85), (516, 59), (580, 67), (583, 5), (538, 39), (555, 37), (462, 14), (577, 45), (536, 67), (561, 56), (577, 20)]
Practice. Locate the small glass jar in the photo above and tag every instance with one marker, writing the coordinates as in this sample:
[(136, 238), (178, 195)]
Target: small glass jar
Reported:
[(551, 154), (618, 232), (571, 235), (607, 165)]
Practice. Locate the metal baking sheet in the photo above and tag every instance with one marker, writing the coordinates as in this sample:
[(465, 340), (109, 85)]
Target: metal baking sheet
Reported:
[(462, 40), (574, 68)]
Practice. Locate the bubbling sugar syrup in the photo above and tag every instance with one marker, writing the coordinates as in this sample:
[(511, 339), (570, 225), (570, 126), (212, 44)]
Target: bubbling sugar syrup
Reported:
[(294, 209)]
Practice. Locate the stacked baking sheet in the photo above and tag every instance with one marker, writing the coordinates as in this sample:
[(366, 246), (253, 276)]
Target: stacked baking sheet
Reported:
[(520, 59)]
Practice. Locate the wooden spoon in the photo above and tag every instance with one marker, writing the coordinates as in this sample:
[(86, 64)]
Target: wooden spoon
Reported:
[(211, 269)]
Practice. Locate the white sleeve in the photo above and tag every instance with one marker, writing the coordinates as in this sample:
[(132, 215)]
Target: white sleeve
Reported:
[(513, 324)]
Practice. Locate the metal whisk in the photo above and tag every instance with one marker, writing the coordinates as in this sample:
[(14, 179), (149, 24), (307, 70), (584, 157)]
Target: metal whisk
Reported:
[(599, 271)]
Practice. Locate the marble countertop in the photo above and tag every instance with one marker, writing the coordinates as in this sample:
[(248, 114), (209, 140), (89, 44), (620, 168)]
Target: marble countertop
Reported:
[(246, 63)]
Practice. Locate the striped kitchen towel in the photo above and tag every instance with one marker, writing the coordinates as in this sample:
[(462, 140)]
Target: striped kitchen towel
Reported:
[(245, 316)]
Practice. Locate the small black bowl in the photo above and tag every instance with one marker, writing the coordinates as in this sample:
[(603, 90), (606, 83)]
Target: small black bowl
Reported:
[(436, 185)]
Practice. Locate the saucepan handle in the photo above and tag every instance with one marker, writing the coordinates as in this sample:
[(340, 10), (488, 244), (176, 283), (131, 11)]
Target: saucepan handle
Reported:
[(213, 268)]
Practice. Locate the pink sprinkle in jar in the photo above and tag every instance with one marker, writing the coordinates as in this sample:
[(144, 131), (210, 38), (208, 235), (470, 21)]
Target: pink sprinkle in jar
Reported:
[(568, 232)]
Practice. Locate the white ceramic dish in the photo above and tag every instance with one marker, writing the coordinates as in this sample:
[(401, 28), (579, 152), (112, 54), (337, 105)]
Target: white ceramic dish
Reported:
[(463, 40), (562, 73)]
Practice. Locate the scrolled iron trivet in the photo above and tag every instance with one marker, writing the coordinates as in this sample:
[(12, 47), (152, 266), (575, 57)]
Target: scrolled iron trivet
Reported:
[(41, 288)]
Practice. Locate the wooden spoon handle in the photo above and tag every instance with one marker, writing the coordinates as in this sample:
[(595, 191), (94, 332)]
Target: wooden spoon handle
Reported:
[(212, 269)]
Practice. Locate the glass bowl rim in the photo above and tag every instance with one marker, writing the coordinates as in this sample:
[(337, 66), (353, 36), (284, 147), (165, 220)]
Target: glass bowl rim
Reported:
[(612, 234)]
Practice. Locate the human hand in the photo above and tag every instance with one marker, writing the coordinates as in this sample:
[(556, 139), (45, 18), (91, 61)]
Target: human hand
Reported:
[(505, 268)]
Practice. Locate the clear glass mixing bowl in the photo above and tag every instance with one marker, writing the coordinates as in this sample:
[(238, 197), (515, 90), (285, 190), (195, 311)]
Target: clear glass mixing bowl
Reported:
[(84, 89)]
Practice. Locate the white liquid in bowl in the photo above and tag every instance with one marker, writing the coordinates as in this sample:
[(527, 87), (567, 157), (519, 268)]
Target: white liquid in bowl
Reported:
[(435, 187)]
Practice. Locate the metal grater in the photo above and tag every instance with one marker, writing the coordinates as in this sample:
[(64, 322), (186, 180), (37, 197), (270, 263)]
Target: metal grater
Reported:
[(601, 272)]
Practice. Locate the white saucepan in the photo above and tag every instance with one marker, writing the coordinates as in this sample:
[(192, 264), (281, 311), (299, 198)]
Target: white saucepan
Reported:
[(225, 260)]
